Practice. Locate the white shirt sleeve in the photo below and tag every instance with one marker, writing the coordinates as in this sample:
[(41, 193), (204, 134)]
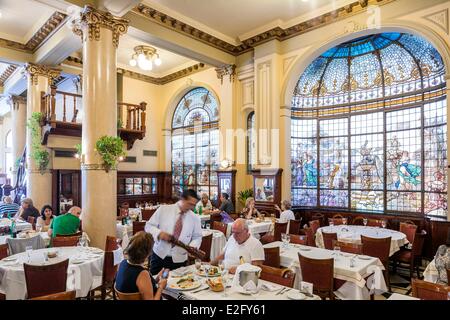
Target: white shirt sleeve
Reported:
[(152, 225), (257, 252)]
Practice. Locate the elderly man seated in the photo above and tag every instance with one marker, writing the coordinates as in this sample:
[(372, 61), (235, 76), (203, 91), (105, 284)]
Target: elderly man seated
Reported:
[(66, 224), (241, 244)]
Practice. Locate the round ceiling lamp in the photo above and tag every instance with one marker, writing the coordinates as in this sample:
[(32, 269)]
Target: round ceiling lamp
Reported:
[(144, 57)]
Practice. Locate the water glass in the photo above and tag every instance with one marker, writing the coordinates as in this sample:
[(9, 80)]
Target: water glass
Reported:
[(207, 226), (288, 239), (198, 264), (337, 251), (29, 250), (344, 221), (283, 239), (383, 224), (331, 222), (365, 222)]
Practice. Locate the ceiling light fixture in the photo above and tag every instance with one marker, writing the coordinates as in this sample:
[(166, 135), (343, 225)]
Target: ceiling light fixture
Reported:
[(144, 57)]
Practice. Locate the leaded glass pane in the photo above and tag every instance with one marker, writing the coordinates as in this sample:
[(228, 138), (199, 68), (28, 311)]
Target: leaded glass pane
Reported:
[(334, 198), (367, 200)]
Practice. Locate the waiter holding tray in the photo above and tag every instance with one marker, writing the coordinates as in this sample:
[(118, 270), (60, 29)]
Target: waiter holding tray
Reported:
[(174, 223)]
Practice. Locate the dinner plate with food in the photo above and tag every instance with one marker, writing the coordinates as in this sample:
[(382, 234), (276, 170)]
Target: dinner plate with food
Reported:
[(185, 284), (209, 271)]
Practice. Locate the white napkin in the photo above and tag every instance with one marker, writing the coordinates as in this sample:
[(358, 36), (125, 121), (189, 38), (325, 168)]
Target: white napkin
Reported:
[(37, 258), (118, 256), (181, 271), (267, 286), (250, 287), (375, 282), (239, 269), (85, 236), (125, 239)]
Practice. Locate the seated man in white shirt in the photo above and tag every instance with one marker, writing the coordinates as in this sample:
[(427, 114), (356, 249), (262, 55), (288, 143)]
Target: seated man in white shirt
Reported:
[(179, 221), (241, 244), (204, 204)]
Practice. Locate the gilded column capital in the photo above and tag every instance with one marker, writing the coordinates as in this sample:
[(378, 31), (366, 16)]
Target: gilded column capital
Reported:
[(33, 71), (92, 20), (229, 69), (16, 101)]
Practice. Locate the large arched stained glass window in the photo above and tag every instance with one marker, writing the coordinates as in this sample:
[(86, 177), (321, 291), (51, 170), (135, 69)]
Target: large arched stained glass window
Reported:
[(369, 130), (195, 143)]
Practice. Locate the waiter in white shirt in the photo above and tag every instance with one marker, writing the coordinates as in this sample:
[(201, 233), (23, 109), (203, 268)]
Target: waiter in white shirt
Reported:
[(177, 220)]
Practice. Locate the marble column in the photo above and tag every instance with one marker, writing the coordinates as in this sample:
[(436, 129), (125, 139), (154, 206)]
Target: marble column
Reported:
[(100, 32), (19, 118), (39, 182)]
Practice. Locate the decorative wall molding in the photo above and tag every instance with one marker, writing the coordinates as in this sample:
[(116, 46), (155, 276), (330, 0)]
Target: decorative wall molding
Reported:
[(278, 33), (53, 23), (440, 19), (227, 70), (7, 73), (92, 20), (16, 101), (33, 71), (73, 61)]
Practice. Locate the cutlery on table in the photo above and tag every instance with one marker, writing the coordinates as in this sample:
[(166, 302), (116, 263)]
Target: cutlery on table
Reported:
[(198, 290)]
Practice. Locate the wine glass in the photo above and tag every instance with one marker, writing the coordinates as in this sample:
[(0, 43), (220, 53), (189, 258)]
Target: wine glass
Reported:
[(365, 222), (198, 264), (331, 222), (207, 226), (344, 221), (337, 251), (29, 250), (383, 224), (283, 239), (288, 240)]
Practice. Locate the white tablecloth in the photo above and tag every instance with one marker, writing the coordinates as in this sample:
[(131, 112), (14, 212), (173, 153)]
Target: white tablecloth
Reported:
[(231, 293), (205, 217), (431, 274), (397, 296), (349, 233), (20, 225), (218, 242), (44, 235), (254, 227), (80, 276), (355, 287)]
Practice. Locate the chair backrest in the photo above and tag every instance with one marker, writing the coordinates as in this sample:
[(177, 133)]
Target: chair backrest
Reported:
[(32, 220), (294, 226), (272, 257), (374, 223), (220, 226), (17, 245), (45, 280), (348, 247), (417, 245), (284, 277), (314, 224), (215, 217), (65, 241), (111, 243), (377, 247), (448, 276), (338, 219), (429, 291), (3, 251), (206, 246), (310, 236), (299, 239), (127, 296), (280, 227), (109, 269), (320, 217), (147, 214), (358, 221), (319, 272), (138, 226), (409, 230), (67, 295), (328, 239)]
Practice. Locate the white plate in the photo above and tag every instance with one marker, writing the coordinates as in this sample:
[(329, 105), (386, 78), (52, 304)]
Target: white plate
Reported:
[(295, 295), (77, 261), (195, 285), (9, 259), (304, 249), (362, 257)]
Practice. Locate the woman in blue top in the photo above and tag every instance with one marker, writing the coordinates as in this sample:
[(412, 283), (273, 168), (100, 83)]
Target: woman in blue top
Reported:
[(132, 277)]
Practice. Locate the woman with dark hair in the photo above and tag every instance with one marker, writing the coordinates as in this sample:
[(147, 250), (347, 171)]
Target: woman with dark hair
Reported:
[(442, 261), (44, 221), (132, 277)]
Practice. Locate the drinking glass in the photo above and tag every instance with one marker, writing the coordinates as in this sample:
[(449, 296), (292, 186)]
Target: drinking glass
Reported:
[(337, 251), (29, 250), (383, 224), (221, 266), (344, 221), (288, 240), (365, 222), (208, 226), (331, 222), (283, 239), (198, 264)]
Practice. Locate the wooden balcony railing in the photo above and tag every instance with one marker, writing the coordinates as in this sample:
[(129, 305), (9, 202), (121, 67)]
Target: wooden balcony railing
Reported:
[(61, 116)]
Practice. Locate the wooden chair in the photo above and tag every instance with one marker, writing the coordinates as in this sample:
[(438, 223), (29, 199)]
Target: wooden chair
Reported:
[(67, 295), (310, 237), (448, 276), (319, 272), (409, 230), (234, 216), (411, 257), (138, 226), (111, 243), (280, 227), (206, 246), (358, 221), (215, 217), (220, 226), (348, 247), (108, 276), (338, 219), (284, 276), (3, 251), (374, 223), (272, 257), (299, 239), (32, 220), (127, 296), (320, 217), (65, 241), (379, 248), (147, 214), (45, 280), (77, 234), (328, 239), (429, 291), (314, 225), (295, 226)]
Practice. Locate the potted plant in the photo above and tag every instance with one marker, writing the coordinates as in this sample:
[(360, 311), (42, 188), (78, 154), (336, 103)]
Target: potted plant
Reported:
[(38, 153), (111, 150), (244, 195)]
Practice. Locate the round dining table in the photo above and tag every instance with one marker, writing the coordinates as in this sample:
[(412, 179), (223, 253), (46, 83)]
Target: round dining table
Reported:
[(350, 233), (84, 270)]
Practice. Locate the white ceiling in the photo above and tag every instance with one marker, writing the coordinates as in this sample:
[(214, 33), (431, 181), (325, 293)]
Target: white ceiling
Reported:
[(171, 62), (231, 20), (20, 19), (3, 67)]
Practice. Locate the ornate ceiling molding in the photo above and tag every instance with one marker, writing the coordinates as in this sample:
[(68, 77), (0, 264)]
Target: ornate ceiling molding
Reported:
[(33, 71), (76, 62), (7, 73), (53, 23), (92, 20), (275, 33)]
